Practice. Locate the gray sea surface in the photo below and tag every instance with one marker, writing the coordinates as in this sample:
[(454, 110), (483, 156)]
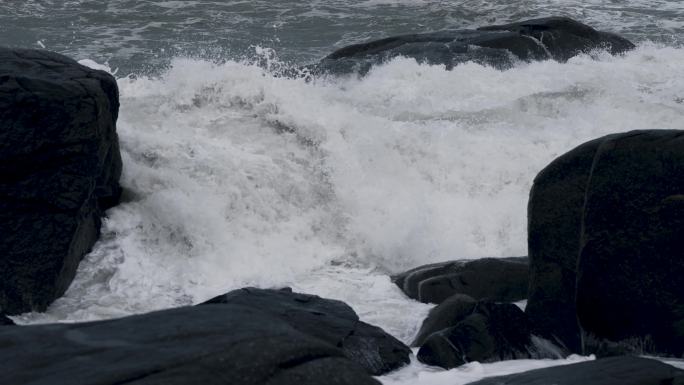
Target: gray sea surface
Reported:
[(143, 36)]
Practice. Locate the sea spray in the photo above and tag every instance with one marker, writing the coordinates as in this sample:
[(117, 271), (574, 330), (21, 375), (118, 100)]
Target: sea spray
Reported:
[(235, 177)]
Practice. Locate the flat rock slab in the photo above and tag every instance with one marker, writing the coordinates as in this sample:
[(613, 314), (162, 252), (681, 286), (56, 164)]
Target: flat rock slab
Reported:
[(497, 279), (623, 370), (252, 337), (500, 46), (329, 320), (59, 170)]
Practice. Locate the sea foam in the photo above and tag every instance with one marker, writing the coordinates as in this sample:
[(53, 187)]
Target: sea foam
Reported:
[(235, 177)]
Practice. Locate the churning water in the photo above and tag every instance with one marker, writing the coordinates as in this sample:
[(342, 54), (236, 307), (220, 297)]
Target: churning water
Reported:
[(238, 177)]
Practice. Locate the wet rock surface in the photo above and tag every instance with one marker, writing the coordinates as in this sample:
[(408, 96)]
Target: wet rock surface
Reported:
[(59, 170), (249, 336), (497, 279), (331, 321), (491, 332), (605, 222), (500, 46)]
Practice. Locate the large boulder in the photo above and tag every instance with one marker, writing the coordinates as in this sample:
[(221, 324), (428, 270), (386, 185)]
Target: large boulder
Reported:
[(497, 279), (623, 370), (492, 332), (606, 234), (630, 272), (554, 225), (247, 337), (59, 170), (501, 46), (331, 321)]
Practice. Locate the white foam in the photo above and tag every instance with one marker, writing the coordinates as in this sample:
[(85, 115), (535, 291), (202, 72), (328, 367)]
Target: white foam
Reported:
[(409, 165), (239, 178), (236, 178), (417, 373)]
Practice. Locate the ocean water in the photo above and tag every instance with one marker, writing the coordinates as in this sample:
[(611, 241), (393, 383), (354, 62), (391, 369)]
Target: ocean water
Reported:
[(237, 177)]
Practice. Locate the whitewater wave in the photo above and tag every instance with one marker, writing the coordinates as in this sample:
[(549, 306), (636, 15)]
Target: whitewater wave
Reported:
[(235, 177)]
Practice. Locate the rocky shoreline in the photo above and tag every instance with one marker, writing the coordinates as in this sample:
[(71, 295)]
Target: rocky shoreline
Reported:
[(604, 276)]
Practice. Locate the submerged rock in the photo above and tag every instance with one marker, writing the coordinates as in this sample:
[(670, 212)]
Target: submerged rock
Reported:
[(247, 337), (497, 279), (500, 46), (331, 321), (59, 170), (609, 371), (491, 332), (606, 221)]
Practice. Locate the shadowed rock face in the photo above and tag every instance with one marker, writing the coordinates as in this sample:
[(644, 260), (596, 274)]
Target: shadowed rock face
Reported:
[(247, 337), (59, 170), (630, 272), (609, 371), (500, 46), (606, 234), (445, 315), (497, 279), (331, 321), (4, 321), (490, 332)]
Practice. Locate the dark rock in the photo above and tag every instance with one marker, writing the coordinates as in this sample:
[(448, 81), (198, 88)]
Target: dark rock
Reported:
[(445, 315), (606, 232), (59, 169), (4, 321), (609, 371), (501, 46), (493, 332), (498, 279), (331, 321), (630, 277), (273, 340), (554, 216)]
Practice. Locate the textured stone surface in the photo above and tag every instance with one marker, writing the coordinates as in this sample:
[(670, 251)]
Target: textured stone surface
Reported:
[(630, 276), (445, 315), (247, 337), (331, 321), (556, 38), (59, 169), (498, 279), (553, 233), (492, 332), (606, 236)]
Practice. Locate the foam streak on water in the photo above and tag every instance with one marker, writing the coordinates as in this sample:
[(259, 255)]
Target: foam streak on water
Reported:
[(235, 177)]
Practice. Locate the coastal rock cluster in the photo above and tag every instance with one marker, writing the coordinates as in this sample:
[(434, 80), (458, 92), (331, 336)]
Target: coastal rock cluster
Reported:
[(605, 272)]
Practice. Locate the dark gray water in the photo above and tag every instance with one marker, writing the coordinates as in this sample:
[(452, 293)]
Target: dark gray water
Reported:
[(137, 36)]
